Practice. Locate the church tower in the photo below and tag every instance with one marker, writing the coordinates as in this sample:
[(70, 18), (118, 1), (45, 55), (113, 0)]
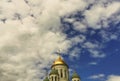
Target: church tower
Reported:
[(54, 76), (60, 72), (62, 69), (75, 77)]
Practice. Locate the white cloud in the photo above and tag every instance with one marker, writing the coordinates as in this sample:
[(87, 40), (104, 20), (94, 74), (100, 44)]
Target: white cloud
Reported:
[(113, 78), (93, 63), (94, 49), (79, 26), (97, 54), (98, 76), (78, 39), (90, 45), (102, 77), (101, 12), (30, 32), (74, 53)]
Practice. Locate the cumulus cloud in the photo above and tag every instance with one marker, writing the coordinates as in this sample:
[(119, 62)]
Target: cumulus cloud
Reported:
[(31, 32)]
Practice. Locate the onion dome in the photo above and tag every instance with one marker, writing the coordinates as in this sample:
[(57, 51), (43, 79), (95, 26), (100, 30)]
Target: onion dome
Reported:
[(75, 75), (53, 71), (59, 61), (46, 79)]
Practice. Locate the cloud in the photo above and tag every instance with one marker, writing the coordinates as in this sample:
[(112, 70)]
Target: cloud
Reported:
[(101, 12), (93, 63), (113, 78), (102, 77), (95, 21), (94, 49), (75, 53), (31, 33), (99, 76)]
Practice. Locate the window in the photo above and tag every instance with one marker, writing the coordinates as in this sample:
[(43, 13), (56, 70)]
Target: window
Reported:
[(65, 73), (55, 78), (61, 73), (52, 78)]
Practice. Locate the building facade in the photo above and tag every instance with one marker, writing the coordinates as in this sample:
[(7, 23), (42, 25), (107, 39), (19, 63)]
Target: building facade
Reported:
[(60, 72)]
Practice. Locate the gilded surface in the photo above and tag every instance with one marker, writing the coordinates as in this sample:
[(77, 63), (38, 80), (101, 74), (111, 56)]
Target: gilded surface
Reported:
[(59, 61)]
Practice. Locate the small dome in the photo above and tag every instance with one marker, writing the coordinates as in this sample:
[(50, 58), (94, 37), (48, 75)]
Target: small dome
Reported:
[(46, 79), (75, 75), (59, 61), (53, 71)]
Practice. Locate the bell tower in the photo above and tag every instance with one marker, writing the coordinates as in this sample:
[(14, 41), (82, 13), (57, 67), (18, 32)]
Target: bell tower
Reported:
[(62, 68)]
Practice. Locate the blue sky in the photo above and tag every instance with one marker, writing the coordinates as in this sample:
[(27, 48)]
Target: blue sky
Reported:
[(87, 33), (87, 65)]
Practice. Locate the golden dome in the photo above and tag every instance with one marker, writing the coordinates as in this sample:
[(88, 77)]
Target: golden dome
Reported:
[(59, 61)]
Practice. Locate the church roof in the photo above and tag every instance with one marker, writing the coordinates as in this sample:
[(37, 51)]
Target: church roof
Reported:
[(75, 75), (59, 61), (53, 71)]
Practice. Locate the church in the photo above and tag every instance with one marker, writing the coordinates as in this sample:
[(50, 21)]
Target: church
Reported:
[(60, 72)]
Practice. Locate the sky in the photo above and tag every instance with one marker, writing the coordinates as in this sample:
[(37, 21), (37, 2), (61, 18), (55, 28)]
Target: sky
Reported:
[(87, 33)]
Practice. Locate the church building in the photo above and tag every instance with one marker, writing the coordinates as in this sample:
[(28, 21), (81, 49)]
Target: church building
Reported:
[(60, 72)]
